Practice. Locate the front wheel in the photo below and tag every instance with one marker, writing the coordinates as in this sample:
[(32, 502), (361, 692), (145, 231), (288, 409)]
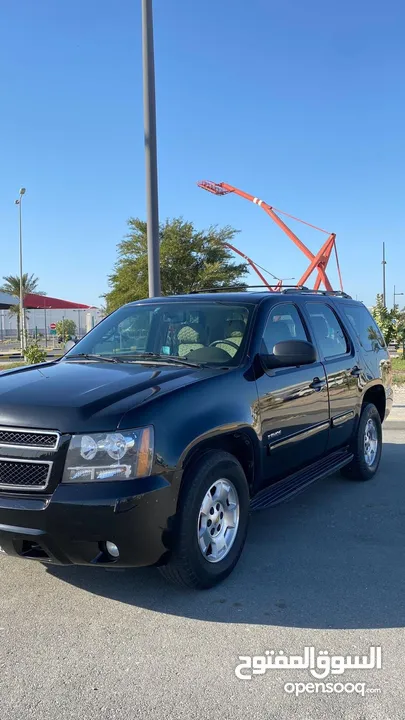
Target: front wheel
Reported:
[(212, 523), (367, 445)]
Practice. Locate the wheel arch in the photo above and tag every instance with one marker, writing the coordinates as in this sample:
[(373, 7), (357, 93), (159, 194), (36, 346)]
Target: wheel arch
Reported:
[(376, 395), (242, 443)]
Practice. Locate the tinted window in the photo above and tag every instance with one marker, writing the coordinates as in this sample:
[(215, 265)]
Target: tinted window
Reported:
[(365, 327), (327, 329), (283, 323)]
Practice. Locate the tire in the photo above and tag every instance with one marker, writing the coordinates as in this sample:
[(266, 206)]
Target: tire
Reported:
[(189, 565), (361, 467)]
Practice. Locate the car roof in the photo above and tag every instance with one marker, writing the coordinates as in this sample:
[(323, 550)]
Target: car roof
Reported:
[(247, 296), (233, 297)]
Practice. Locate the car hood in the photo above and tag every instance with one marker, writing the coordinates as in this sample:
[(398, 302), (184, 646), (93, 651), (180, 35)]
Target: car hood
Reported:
[(86, 396)]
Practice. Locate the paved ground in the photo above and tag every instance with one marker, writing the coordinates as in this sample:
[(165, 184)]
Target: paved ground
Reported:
[(324, 570)]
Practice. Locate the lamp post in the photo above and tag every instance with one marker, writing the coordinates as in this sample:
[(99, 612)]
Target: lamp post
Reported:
[(45, 330), (22, 314), (149, 104), (383, 263), (395, 296), (78, 324)]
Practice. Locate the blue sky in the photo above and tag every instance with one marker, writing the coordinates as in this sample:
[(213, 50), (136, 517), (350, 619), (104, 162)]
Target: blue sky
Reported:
[(299, 103)]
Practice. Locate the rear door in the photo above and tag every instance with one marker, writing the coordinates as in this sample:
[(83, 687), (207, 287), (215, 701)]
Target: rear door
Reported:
[(293, 401), (374, 351), (341, 362)]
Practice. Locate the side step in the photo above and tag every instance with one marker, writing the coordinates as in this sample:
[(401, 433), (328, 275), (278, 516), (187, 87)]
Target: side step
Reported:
[(298, 481)]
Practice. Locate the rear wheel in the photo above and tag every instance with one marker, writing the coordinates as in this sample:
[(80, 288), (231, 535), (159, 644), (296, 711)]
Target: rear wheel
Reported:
[(367, 446), (212, 523)]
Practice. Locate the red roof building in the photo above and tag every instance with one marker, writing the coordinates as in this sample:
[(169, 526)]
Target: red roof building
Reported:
[(44, 302)]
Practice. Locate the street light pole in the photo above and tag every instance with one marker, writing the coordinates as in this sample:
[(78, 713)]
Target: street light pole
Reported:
[(149, 103), (396, 295), (22, 314), (384, 264)]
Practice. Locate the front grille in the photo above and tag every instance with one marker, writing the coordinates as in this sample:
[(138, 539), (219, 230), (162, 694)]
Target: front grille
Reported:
[(18, 474), (28, 438)]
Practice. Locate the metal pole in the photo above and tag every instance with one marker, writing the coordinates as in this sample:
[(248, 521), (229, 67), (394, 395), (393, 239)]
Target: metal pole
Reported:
[(149, 103), (46, 328), (384, 264), (22, 323), (395, 296)]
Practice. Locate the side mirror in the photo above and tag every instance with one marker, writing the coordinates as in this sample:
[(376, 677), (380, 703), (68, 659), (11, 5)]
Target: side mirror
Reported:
[(69, 345), (290, 353)]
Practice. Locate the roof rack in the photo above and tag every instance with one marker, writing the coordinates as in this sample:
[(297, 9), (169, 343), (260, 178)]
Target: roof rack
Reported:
[(337, 293), (238, 288), (285, 290)]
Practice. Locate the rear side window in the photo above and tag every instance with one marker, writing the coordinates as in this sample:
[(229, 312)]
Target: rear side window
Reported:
[(328, 330), (283, 323), (365, 327)]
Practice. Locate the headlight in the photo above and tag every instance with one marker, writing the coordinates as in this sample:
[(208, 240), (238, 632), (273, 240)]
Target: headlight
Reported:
[(123, 455)]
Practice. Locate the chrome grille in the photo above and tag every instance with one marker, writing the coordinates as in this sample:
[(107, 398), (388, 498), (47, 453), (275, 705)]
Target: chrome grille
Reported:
[(19, 474), (28, 438)]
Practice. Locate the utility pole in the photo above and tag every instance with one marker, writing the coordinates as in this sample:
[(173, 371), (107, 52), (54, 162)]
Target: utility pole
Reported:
[(149, 103), (384, 264), (395, 297), (46, 326), (22, 313)]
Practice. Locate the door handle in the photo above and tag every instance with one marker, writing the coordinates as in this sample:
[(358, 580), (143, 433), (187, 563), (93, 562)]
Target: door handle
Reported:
[(316, 384), (355, 372)]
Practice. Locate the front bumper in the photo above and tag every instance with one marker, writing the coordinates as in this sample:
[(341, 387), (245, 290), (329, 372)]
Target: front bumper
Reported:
[(73, 524)]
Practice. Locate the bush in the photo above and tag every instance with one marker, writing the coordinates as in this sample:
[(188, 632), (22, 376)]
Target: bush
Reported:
[(34, 354), (65, 329)]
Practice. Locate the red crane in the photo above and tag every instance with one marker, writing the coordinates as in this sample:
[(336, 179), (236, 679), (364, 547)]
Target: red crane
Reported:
[(272, 288), (318, 262)]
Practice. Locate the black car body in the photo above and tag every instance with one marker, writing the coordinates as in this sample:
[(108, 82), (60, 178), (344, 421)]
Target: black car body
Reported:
[(169, 403)]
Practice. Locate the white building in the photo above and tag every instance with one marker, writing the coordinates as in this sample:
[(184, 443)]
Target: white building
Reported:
[(42, 312)]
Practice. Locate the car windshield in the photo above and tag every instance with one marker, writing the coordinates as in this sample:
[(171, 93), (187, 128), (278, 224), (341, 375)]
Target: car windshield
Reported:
[(203, 333)]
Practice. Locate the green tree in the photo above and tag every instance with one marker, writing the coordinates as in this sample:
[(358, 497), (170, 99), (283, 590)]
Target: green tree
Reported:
[(66, 329), (390, 322), (189, 260), (12, 287), (400, 327)]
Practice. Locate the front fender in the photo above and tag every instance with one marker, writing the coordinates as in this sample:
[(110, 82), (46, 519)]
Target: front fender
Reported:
[(221, 405), (208, 433)]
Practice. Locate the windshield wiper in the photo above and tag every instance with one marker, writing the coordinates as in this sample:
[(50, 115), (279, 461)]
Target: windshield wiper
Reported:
[(93, 356), (159, 356)]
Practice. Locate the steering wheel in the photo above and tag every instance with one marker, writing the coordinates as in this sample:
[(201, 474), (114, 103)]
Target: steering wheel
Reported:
[(224, 342)]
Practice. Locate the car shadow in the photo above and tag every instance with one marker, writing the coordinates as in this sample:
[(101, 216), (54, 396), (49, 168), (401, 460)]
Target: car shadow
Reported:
[(330, 558)]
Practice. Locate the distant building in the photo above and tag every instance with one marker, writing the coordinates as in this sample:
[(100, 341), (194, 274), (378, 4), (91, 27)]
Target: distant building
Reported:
[(42, 311), (6, 301)]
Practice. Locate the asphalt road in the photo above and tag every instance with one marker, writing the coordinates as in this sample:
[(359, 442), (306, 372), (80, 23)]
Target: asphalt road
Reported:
[(324, 570)]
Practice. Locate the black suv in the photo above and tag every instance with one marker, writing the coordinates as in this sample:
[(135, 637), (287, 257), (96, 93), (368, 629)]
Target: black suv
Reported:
[(153, 438)]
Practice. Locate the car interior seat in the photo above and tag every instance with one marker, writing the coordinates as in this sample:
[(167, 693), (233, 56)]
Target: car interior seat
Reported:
[(189, 339), (234, 331)]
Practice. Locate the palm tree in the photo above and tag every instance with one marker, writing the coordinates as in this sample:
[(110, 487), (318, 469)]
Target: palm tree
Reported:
[(12, 287)]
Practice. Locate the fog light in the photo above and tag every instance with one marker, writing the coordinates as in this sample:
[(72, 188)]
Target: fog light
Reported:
[(112, 549)]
